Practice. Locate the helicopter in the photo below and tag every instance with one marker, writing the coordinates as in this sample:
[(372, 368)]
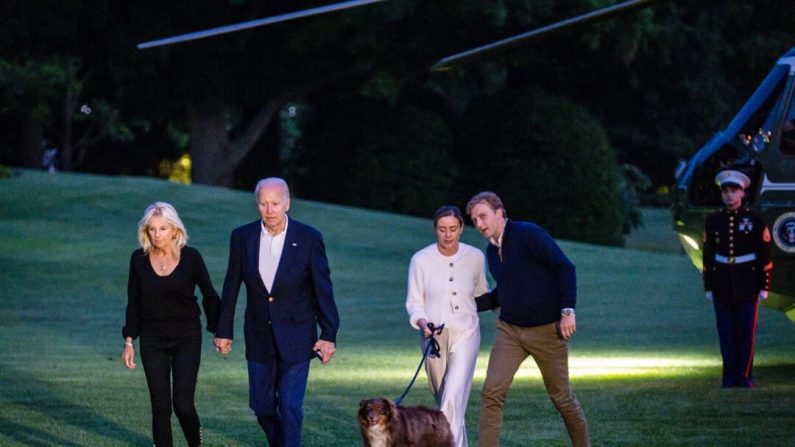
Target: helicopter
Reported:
[(760, 142)]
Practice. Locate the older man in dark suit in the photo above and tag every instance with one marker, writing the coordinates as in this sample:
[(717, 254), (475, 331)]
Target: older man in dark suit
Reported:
[(283, 264)]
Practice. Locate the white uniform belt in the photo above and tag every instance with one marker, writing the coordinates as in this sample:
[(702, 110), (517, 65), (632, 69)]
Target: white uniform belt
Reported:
[(735, 259)]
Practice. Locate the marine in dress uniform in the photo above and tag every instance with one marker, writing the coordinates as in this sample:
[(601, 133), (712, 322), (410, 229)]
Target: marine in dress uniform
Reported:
[(737, 272)]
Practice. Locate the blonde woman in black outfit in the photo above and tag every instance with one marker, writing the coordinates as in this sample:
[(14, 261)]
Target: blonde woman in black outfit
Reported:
[(163, 310)]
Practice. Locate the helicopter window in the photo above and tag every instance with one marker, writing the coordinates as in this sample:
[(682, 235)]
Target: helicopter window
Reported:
[(787, 145), (755, 131)]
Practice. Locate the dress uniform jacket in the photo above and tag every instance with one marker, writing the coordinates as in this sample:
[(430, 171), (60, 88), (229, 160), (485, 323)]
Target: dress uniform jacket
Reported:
[(737, 263)]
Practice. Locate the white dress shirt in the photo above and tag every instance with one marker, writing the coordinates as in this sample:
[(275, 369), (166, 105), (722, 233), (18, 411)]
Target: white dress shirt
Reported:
[(270, 251)]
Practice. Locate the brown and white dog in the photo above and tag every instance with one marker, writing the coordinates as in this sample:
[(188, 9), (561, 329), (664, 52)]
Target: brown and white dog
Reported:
[(385, 424)]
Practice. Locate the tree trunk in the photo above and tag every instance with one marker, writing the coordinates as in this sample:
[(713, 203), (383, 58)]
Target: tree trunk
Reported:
[(33, 143), (67, 155), (214, 157), (209, 147)]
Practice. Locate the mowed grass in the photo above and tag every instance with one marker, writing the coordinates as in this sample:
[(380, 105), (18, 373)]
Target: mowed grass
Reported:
[(644, 363)]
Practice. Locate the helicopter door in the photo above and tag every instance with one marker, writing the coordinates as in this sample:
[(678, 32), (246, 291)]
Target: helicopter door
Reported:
[(787, 136), (779, 160)]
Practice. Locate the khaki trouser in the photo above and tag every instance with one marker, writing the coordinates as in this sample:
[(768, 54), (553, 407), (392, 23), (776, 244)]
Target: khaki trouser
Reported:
[(513, 344)]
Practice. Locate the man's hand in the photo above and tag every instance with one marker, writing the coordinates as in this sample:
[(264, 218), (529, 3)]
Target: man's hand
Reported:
[(568, 326), (762, 295), (223, 345), (326, 349)]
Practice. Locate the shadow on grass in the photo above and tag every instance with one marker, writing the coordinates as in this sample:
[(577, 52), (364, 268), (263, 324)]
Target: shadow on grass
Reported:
[(31, 436), (19, 388), (777, 372)]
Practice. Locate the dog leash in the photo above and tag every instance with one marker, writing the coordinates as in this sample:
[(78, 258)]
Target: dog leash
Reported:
[(433, 347)]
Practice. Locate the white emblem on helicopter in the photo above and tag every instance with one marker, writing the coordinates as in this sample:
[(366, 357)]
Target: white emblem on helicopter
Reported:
[(784, 232)]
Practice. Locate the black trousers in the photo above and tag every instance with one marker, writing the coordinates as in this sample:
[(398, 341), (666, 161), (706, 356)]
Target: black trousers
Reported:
[(165, 358)]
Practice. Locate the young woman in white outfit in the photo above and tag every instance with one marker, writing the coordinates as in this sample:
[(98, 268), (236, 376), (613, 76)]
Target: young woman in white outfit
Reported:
[(444, 279)]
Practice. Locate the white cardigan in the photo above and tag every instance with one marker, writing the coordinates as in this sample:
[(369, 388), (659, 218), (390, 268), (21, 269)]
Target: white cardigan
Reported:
[(440, 286)]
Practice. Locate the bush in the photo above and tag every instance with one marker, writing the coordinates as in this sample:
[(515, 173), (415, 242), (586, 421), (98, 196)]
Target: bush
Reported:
[(633, 181), (393, 158), (549, 160)]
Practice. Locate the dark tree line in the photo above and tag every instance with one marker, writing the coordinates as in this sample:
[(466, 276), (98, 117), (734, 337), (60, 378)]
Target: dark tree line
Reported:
[(344, 105)]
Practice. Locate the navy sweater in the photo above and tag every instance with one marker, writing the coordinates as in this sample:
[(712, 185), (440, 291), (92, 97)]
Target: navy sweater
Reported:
[(535, 279)]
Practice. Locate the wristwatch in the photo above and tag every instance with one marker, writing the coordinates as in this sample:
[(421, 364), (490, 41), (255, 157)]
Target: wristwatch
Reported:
[(566, 311)]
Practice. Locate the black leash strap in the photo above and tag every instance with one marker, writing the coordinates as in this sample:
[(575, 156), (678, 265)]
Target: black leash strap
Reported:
[(433, 348)]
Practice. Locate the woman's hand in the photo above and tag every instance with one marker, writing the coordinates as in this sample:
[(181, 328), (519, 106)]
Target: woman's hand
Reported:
[(422, 323), (128, 355)]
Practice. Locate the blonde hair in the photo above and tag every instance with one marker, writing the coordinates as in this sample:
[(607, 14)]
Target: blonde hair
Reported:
[(170, 217)]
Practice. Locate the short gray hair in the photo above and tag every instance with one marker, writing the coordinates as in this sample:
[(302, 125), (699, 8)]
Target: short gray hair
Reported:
[(272, 181)]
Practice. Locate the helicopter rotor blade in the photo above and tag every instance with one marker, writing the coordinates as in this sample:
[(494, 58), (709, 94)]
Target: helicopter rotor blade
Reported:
[(448, 62), (254, 23)]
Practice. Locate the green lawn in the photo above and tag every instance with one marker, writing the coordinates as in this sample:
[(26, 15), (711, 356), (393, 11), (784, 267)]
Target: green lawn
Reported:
[(644, 363), (655, 233)]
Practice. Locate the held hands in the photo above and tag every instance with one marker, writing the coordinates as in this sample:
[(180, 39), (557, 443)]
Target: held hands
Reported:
[(568, 326), (326, 350), (223, 345)]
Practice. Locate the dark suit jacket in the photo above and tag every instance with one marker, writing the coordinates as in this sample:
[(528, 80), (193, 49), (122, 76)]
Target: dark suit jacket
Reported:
[(302, 299)]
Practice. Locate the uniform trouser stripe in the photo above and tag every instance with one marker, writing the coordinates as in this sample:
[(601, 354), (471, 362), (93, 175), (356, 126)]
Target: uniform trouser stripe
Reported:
[(737, 324), (750, 362)]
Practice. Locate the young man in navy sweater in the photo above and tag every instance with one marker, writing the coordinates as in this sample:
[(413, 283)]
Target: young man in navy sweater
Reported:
[(536, 292)]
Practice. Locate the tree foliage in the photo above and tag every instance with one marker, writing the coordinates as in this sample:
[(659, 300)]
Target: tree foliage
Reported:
[(50, 80), (374, 155), (377, 128), (549, 159)]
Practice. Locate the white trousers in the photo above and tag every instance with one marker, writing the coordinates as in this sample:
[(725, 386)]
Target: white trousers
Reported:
[(450, 375)]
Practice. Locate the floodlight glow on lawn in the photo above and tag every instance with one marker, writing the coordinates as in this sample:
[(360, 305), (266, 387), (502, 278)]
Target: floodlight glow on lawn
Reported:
[(624, 367), (601, 367), (636, 366)]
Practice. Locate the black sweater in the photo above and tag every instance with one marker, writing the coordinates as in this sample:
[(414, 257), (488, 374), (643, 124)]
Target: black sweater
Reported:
[(166, 305)]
